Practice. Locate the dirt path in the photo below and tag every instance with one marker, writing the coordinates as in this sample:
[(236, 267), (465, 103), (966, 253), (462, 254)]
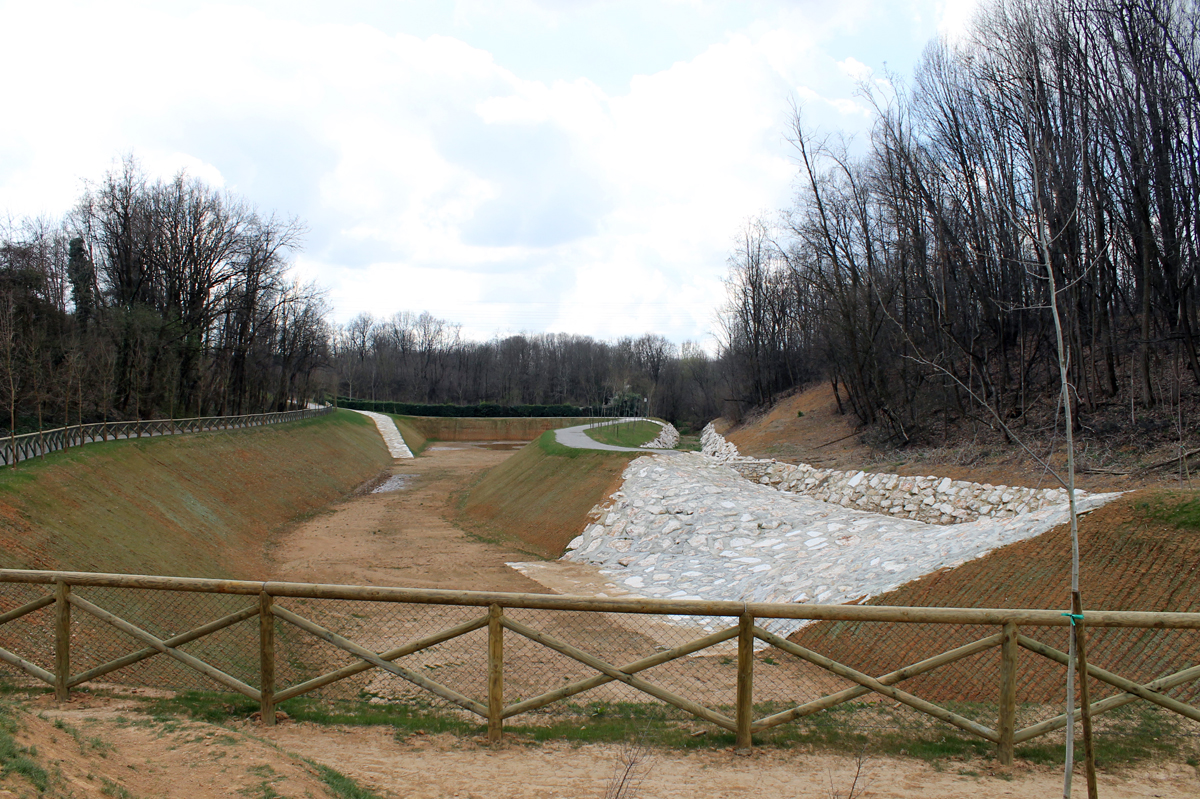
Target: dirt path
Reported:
[(104, 747), (404, 537)]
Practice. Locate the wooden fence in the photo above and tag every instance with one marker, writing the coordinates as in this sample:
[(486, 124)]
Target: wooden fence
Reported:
[(14, 449), (1005, 630)]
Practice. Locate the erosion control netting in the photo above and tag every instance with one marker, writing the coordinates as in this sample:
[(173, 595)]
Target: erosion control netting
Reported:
[(708, 677)]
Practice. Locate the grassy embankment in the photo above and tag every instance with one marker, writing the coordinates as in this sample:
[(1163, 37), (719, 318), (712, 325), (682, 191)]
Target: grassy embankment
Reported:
[(538, 500), (192, 505), (516, 428), (625, 434)]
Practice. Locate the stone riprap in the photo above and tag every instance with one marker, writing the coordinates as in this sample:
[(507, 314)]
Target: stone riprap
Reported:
[(390, 434), (689, 527), (667, 439), (936, 500)]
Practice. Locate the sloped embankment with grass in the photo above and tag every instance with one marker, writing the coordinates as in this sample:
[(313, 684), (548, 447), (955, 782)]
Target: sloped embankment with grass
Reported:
[(199, 505), (1139, 552), (538, 500), (500, 428)]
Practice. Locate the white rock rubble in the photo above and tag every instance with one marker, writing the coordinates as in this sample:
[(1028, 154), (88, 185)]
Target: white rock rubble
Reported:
[(691, 527), (937, 500), (391, 435)]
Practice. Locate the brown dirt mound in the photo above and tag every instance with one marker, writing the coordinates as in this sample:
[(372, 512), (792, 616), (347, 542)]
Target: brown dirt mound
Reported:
[(1139, 552), (823, 437)]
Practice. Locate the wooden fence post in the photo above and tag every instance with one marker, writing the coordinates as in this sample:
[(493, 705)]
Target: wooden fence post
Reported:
[(62, 641), (1085, 698), (266, 640), (1008, 692), (495, 674), (745, 681)]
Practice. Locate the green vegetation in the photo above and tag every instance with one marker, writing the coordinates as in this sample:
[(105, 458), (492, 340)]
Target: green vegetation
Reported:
[(14, 758), (538, 499), (412, 436), (625, 434), (342, 786), (1178, 508), (1146, 733), (207, 501), (110, 788)]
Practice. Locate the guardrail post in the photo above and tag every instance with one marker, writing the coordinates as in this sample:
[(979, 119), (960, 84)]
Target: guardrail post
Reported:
[(266, 658), (745, 682), (62, 641), (1008, 692), (495, 674)]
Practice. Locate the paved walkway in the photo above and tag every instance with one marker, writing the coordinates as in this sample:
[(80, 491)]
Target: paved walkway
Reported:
[(391, 435), (576, 438)]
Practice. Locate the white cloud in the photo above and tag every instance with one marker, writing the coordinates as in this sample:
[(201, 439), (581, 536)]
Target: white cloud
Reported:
[(855, 69), (431, 175), (954, 17)]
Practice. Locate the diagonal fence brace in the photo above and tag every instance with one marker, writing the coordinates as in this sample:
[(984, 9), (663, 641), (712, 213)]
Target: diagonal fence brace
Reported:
[(28, 607), (173, 641), (374, 659), (720, 719), (1133, 690), (1105, 705), (14, 659), (631, 668), (891, 678), (161, 647), (31, 669), (875, 685), (392, 654)]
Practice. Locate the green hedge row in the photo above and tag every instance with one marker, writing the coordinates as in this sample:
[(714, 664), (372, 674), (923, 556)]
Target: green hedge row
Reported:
[(487, 409)]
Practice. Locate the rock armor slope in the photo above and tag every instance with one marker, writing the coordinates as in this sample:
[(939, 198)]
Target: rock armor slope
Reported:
[(667, 439), (390, 434), (936, 500), (693, 527)]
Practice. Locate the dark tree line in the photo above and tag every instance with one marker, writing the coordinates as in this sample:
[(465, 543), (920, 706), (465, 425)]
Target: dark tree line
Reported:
[(419, 358), (154, 298), (1061, 135)]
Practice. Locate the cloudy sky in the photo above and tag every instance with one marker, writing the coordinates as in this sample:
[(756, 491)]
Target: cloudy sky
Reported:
[(531, 165)]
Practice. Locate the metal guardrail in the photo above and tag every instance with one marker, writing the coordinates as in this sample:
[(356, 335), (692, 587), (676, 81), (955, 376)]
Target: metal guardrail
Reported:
[(134, 618), (15, 449)]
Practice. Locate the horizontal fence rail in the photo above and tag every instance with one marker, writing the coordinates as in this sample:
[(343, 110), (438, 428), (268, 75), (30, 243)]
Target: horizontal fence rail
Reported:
[(466, 648), (14, 449)]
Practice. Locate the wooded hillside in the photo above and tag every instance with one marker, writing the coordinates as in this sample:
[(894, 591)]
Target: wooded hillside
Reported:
[(1059, 135)]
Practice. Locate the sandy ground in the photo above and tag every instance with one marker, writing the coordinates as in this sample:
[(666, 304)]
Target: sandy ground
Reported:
[(404, 537), (103, 746)]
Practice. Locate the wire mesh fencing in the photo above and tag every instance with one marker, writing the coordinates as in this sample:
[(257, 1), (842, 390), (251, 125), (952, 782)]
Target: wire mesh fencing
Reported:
[(994, 675)]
